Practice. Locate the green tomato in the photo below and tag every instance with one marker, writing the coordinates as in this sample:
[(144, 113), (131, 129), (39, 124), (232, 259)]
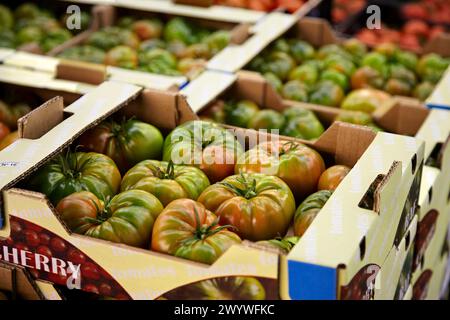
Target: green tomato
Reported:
[(54, 38), (7, 39), (27, 11), (336, 62), (29, 35), (327, 93), (217, 41), (301, 50), (283, 244), (400, 72), (308, 210), (423, 90), (301, 123), (376, 61), (306, 74), (267, 119), (111, 37), (355, 117), (333, 49), (122, 57), (295, 90), (366, 100), (280, 64), (432, 67), (281, 45), (161, 56), (276, 83), (166, 181), (6, 18), (355, 47), (240, 114), (84, 53), (257, 64), (398, 87), (177, 29), (77, 172), (407, 59), (336, 77)]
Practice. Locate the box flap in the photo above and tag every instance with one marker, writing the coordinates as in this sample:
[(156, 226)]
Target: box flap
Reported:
[(42, 80), (234, 58), (440, 98), (5, 52), (25, 154), (207, 87), (32, 61), (147, 80), (220, 13), (436, 128)]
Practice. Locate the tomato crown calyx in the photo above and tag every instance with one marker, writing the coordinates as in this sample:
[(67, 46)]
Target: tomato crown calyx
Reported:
[(249, 187), (288, 147), (70, 165), (102, 213), (203, 231), (168, 173)]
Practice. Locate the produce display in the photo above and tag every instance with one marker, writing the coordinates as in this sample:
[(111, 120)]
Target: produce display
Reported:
[(264, 5), (343, 9), (296, 122), (205, 196), (173, 47), (30, 24), (413, 35), (436, 11), (330, 75)]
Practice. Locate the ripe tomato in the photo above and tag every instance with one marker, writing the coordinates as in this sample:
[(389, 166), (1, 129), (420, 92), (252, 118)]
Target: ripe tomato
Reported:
[(166, 181), (187, 230), (128, 218), (45, 251), (76, 256), (4, 131), (9, 140), (127, 143), (58, 245), (90, 271), (76, 172), (332, 177), (226, 288), (206, 145), (259, 206), (308, 210), (92, 288), (32, 238), (283, 244), (296, 164), (44, 239)]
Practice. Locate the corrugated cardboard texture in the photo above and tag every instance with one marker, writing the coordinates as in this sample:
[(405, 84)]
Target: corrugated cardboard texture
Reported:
[(81, 72), (15, 278), (42, 119)]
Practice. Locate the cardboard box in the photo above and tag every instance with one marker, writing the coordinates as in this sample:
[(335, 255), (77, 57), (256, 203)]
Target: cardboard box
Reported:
[(430, 282), (393, 281), (18, 284), (440, 98), (245, 38), (393, 161)]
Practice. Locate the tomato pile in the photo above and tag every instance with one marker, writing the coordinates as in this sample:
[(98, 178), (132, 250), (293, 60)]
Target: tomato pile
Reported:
[(342, 9), (412, 36), (437, 11), (30, 24), (324, 76), (175, 47), (293, 122), (192, 196), (264, 5)]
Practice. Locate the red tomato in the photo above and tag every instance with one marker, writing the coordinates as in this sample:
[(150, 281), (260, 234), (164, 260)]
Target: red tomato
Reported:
[(4, 131), (45, 251), (44, 239), (92, 288), (417, 28), (105, 290), (332, 177)]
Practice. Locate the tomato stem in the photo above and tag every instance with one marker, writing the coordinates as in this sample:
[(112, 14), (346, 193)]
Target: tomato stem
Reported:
[(249, 187)]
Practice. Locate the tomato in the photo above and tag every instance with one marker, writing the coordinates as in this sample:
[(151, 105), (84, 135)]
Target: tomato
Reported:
[(295, 90), (306, 74), (288, 161), (367, 77), (308, 210), (423, 90), (128, 218), (126, 144), (123, 57), (283, 244), (376, 61), (186, 229), (206, 145), (301, 51), (355, 117), (355, 47), (267, 119), (301, 123), (366, 100), (336, 77), (4, 131), (241, 113), (76, 172), (9, 115), (280, 64), (9, 139), (259, 206), (397, 87), (327, 93), (147, 29), (166, 181), (111, 37), (332, 177), (226, 288), (32, 238)]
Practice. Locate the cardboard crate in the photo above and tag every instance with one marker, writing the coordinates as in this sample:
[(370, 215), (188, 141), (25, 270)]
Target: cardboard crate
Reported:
[(18, 284), (245, 37), (440, 97), (393, 161), (429, 283), (393, 282)]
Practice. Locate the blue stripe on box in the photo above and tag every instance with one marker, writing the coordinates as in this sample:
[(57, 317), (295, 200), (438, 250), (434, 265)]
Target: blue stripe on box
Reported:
[(311, 282), (436, 106)]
